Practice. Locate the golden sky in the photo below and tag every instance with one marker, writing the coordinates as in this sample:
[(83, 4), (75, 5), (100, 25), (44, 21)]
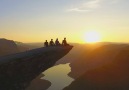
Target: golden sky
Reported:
[(38, 20)]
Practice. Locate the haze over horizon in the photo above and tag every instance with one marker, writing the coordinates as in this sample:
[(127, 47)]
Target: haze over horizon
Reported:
[(36, 21)]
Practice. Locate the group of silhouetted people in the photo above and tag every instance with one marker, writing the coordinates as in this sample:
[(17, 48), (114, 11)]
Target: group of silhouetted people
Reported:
[(57, 43)]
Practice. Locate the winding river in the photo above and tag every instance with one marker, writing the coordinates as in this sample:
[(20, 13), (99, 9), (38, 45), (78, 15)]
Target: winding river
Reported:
[(57, 75)]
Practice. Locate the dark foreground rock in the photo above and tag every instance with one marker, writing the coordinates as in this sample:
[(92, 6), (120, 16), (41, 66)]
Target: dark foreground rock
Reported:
[(17, 70)]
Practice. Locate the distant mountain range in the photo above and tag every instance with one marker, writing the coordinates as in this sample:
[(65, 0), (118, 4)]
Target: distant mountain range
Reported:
[(10, 47)]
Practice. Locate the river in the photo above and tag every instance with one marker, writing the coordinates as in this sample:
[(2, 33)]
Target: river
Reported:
[(57, 75)]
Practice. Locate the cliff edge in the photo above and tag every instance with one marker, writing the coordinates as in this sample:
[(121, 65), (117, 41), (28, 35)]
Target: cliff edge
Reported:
[(17, 70)]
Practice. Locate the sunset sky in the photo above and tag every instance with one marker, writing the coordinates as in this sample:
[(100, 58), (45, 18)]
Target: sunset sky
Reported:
[(38, 20)]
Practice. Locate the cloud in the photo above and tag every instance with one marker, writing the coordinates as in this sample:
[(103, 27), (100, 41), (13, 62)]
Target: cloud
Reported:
[(90, 5), (87, 6), (78, 10)]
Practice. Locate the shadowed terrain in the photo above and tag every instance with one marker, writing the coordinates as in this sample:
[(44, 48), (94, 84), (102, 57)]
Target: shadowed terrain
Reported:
[(104, 68), (17, 70), (39, 84)]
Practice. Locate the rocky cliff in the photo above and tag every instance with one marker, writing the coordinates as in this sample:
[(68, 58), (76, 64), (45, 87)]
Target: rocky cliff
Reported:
[(17, 70)]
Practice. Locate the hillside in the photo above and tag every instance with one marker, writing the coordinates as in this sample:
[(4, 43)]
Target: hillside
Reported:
[(8, 47), (96, 57), (111, 76)]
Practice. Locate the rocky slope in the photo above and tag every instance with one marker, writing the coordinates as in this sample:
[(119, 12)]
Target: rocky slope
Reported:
[(106, 68), (99, 56), (113, 76)]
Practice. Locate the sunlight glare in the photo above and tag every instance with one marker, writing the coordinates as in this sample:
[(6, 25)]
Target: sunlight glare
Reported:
[(92, 37)]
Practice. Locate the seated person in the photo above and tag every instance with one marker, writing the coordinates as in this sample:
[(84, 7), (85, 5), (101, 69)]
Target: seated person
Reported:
[(46, 44), (51, 43), (64, 42), (57, 43)]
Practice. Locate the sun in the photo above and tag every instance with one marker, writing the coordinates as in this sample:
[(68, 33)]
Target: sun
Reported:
[(92, 37)]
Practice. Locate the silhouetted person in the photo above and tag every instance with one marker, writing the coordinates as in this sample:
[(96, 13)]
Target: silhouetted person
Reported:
[(57, 43), (51, 43), (46, 43), (64, 42)]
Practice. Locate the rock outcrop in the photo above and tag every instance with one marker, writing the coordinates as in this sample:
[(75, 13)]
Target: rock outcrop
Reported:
[(17, 70)]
